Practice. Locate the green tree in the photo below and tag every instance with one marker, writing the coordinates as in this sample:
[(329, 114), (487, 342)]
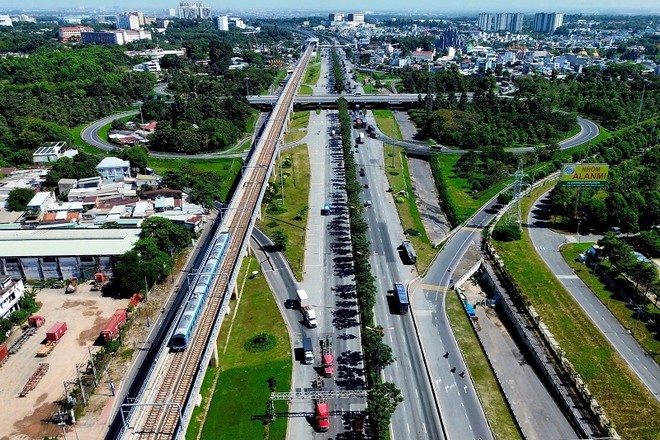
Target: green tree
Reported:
[(383, 400), (18, 199), (168, 236), (138, 156), (281, 239)]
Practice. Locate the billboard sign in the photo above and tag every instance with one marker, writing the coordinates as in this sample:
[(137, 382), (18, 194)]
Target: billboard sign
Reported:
[(583, 174)]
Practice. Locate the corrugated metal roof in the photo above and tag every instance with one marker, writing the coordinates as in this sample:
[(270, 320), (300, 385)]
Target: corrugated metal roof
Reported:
[(66, 242)]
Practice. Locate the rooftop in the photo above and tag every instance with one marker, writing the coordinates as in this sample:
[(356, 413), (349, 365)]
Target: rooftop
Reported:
[(66, 242), (113, 162)]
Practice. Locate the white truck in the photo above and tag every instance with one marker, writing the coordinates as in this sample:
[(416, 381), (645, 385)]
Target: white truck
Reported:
[(305, 307), (360, 138)]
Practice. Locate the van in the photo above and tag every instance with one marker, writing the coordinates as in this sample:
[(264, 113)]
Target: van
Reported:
[(309, 351)]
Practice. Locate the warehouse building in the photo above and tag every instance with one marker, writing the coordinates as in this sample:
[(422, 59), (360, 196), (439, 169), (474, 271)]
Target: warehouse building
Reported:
[(41, 254)]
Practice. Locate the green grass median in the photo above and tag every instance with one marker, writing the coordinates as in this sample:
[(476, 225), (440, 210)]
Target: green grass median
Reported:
[(289, 218), (235, 395)]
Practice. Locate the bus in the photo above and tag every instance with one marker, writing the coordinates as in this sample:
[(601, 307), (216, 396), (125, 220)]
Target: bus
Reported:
[(401, 298)]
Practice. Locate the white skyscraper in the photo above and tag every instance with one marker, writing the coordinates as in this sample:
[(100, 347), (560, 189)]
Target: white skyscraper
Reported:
[(222, 22), (128, 20), (547, 22), (193, 10)]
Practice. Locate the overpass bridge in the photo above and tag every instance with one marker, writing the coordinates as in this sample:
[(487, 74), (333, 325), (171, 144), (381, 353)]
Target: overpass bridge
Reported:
[(162, 407), (329, 101)]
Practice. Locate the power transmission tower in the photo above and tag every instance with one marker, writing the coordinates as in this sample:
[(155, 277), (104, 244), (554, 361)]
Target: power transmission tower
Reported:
[(514, 215)]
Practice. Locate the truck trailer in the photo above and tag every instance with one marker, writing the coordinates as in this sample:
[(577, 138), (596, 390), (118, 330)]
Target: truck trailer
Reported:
[(308, 349), (56, 331), (306, 308)]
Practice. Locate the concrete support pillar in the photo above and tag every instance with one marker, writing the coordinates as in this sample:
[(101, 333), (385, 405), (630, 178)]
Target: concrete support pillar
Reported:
[(234, 291), (214, 361)]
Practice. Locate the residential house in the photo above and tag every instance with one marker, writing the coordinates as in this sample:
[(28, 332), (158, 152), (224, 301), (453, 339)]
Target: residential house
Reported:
[(11, 293), (113, 169)]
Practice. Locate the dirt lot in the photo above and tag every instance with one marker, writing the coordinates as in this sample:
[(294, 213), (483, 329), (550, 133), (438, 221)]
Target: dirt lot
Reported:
[(85, 313)]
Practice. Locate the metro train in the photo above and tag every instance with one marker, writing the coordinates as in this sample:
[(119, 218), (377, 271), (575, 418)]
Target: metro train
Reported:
[(202, 287)]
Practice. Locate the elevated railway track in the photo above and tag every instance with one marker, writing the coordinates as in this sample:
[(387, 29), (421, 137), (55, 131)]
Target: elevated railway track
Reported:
[(163, 408)]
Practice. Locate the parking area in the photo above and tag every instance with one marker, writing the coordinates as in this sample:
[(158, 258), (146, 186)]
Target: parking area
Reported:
[(85, 313)]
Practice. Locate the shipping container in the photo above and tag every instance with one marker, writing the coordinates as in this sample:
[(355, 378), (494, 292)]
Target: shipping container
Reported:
[(56, 331), (112, 328), (3, 353), (36, 321)]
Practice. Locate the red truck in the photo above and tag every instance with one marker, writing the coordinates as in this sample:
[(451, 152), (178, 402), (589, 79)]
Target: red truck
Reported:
[(322, 416), (56, 331), (4, 353), (36, 321), (112, 328), (327, 358)]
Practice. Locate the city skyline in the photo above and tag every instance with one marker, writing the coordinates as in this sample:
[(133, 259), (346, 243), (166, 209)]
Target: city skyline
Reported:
[(601, 6)]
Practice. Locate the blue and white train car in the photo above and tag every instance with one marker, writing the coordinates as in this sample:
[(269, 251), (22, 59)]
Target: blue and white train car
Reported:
[(193, 305)]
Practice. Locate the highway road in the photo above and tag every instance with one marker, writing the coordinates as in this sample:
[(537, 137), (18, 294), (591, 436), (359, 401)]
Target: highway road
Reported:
[(416, 417), (459, 404), (547, 244)]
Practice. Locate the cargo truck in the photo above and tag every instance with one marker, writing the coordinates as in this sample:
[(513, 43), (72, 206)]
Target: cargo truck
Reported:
[(322, 416), (305, 307), (360, 138), (327, 358), (308, 349)]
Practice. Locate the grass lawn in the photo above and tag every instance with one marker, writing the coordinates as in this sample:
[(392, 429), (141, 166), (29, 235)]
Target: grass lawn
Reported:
[(305, 90), (219, 165), (497, 411), (614, 302), (312, 74), (241, 390), (290, 218), (297, 127), (629, 405), (398, 177), (459, 189), (387, 124), (251, 122)]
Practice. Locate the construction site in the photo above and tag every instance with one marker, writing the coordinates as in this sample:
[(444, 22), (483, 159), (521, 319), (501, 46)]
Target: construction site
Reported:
[(47, 356)]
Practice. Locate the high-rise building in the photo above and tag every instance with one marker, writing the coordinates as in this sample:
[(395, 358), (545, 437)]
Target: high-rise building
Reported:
[(357, 18), (337, 16), (222, 23), (505, 21), (547, 22), (193, 10), (129, 20)]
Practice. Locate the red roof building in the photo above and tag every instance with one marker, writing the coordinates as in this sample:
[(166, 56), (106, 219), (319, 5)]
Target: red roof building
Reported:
[(72, 33)]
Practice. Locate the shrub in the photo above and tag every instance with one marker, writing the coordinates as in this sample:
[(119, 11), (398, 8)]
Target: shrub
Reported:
[(260, 342), (507, 232)]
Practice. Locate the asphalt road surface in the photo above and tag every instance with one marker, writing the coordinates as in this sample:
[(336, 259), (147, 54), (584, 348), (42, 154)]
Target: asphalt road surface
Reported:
[(417, 416), (547, 244)]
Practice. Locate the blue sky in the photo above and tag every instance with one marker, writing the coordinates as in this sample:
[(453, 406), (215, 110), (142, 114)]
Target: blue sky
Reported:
[(350, 5)]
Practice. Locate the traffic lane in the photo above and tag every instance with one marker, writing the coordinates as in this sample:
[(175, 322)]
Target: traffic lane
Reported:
[(460, 409), (547, 245), (416, 416)]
